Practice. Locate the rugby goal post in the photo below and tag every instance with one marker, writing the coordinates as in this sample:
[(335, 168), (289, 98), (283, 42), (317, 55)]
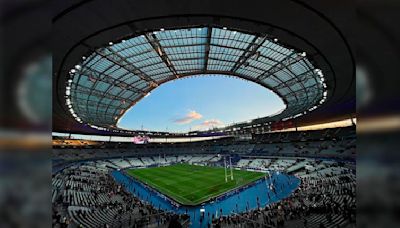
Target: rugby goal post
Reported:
[(230, 167)]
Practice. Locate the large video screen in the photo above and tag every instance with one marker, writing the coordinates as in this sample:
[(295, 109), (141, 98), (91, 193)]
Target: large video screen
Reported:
[(140, 139)]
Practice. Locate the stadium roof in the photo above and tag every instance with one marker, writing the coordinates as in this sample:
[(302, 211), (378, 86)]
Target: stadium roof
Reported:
[(113, 78), (103, 67)]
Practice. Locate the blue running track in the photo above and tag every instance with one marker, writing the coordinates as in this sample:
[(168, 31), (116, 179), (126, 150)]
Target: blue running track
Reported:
[(233, 202)]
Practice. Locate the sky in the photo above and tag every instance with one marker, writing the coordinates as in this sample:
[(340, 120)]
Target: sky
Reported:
[(201, 103)]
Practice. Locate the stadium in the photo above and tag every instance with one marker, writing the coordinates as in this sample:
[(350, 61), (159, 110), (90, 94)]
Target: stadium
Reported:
[(294, 167)]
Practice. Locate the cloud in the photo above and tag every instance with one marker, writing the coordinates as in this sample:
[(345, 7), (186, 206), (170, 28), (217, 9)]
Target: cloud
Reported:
[(208, 124), (191, 116)]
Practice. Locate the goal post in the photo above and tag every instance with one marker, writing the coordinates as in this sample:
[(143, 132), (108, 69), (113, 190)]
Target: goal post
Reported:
[(226, 175), (230, 167)]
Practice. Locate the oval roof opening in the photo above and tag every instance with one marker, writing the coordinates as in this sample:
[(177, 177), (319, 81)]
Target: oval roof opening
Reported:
[(200, 103)]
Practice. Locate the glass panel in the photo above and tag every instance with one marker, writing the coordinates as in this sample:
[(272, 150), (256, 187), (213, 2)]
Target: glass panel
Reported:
[(112, 86)]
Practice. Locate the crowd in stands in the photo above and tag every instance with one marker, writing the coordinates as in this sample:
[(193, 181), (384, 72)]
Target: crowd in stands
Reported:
[(339, 143), (325, 198), (87, 196)]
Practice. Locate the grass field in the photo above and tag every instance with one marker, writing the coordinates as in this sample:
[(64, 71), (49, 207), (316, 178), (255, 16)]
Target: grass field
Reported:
[(190, 184)]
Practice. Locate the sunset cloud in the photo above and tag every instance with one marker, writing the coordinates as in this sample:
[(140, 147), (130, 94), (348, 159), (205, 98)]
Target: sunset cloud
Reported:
[(208, 124), (191, 116)]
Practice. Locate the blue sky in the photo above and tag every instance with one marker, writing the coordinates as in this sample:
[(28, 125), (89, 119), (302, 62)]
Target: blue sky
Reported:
[(200, 103)]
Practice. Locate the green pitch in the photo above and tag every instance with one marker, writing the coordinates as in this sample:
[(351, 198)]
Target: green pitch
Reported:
[(190, 184)]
